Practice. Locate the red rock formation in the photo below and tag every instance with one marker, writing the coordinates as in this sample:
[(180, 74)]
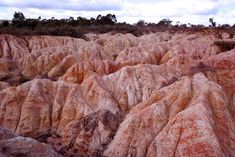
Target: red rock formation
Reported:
[(118, 95)]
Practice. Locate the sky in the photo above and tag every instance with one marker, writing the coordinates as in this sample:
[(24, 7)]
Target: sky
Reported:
[(130, 11)]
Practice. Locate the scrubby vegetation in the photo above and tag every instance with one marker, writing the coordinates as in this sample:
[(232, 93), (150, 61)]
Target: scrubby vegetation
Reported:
[(20, 25)]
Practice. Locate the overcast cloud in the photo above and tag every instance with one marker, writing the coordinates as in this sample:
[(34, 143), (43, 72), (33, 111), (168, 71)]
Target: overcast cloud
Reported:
[(184, 11)]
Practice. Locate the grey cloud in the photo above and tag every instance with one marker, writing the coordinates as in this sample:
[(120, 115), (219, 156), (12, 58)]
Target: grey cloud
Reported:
[(64, 5)]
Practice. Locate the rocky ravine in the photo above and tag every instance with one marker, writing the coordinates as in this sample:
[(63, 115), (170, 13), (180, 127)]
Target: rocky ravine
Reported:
[(117, 95)]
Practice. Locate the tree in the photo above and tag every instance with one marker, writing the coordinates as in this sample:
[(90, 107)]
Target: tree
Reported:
[(178, 23), (164, 23), (19, 16), (83, 21), (141, 23), (31, 23), (225, 26), (5, 23), (112, 17), (183, 26), (71, 21), (18, 19), (211, 20), (92, 20), (71, 18), (98, 18), (109, 19)]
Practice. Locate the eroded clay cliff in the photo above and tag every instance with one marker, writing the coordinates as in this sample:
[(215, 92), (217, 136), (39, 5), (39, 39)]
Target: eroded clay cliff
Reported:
[(118, 95)]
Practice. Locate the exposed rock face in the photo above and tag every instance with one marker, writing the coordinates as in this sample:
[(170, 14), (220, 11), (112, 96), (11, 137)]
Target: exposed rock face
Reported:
[(117, 95), (12, 145)]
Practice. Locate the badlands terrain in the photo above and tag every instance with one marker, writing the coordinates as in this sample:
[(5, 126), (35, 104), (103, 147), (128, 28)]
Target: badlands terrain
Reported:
[(118, 95)]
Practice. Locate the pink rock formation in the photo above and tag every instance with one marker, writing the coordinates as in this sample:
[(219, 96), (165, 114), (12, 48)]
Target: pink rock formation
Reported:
[(3, 85), (13, 145), (118, 95)]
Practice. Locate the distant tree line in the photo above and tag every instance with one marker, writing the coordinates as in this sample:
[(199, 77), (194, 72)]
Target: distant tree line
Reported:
[(19, 21), (20, 25), (76, 27)]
